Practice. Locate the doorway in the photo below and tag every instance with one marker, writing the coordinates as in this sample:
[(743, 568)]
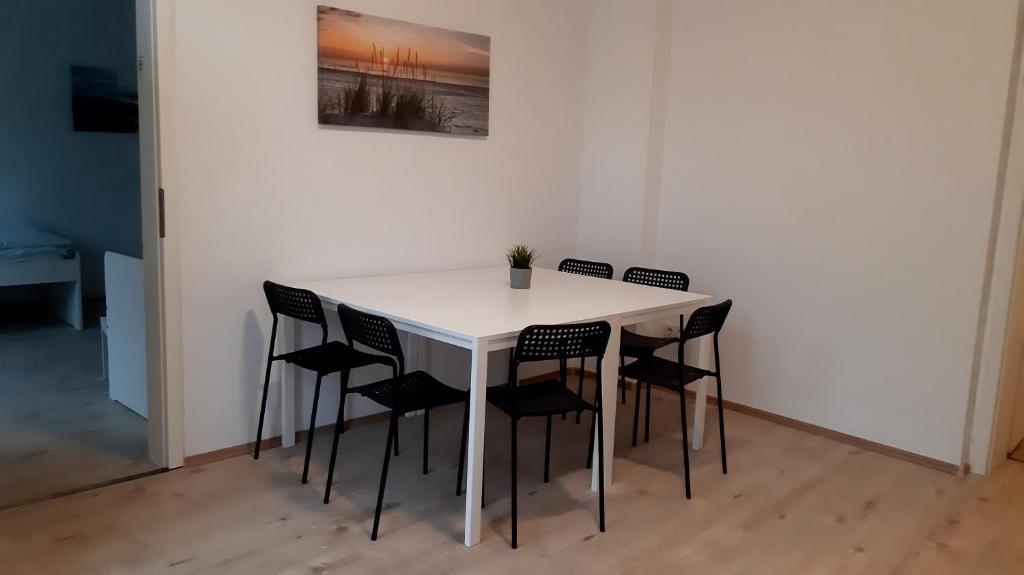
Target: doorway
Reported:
[(1013, 363), (82, 394)]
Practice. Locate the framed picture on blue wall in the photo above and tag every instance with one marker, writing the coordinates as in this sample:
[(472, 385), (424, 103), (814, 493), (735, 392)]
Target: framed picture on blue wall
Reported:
[(99, 103)]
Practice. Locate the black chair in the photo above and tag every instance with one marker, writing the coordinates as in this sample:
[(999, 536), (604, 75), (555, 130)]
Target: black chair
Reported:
[(634, 345), (584, 268), (402, 393), (323, 359), (552, 397), (675, 376)]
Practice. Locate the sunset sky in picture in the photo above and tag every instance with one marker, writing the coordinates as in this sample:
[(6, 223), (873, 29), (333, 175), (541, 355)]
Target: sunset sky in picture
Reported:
[(344, 34)]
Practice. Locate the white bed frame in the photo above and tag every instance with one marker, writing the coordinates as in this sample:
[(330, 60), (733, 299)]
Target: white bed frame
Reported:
[(126, 331), (60, 278)]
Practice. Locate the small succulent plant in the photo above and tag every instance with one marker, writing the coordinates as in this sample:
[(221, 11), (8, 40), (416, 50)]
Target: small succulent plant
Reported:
[(521, 256)]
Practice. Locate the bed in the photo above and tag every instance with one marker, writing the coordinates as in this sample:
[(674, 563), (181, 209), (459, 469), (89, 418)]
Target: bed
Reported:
[(33, 257)]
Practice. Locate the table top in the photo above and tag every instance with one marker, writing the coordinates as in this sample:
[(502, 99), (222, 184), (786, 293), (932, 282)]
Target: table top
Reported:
[(478, 304)]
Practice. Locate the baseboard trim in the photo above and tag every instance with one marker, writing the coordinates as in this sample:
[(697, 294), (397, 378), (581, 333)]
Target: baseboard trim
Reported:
[(866, 444), (274, 442), (839, 436)]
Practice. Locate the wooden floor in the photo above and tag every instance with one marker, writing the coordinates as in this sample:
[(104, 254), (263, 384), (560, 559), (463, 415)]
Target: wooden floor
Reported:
[(1018, 452), (792, 503), (59, 431)]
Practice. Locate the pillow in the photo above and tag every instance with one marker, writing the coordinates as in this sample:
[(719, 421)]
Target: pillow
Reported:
[(18, 235)]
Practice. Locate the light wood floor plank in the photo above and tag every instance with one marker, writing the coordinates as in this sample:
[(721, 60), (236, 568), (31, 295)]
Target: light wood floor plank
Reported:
[(792, 503)]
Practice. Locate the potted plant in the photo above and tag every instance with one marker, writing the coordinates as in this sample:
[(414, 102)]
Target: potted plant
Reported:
[(520, 259)]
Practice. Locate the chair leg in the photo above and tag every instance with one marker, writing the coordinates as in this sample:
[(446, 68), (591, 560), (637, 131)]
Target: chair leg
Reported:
[(600, 464), (547, 450), (392, 433), (593, 423), (562, 367), (263, 408), (396, 438), (686, 441), (622, 380), (462, 449), (647, 416), (636, 412), (426, 437), (721, 425), (515, 457), (339, 428), (483, 477), (579, 392), (312, 428), (590, 442)]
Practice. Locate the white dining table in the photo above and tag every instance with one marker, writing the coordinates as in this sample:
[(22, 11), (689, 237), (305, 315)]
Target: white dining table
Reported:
[(476, 309)]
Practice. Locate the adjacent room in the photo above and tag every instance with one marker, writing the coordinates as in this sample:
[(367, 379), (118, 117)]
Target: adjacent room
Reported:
[(72, 324), (474, 286)]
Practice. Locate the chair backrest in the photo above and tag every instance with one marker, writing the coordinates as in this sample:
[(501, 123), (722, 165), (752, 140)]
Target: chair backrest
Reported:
[(657, 278), (373, 331), (295, 303), (563, 341), (708, 319), (586, 268)]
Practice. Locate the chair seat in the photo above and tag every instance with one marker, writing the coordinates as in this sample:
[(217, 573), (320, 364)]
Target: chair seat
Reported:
[(662, 372), (549, 397), (331, 357), (636, 345), (419, 390)]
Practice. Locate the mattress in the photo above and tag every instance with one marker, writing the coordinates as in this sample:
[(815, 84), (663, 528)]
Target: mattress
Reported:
[(35, 253), (22, 243)]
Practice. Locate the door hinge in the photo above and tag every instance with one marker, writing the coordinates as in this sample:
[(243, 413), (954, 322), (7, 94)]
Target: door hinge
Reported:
[(160, 210)]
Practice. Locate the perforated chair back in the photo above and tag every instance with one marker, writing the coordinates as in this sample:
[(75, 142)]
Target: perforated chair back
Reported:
[(565, 341), (373, 331), (295, 303), (586, 268), (657, 278), (708, 319)]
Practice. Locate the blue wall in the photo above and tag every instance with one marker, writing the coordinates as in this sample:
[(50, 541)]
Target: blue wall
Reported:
[(84, 186)]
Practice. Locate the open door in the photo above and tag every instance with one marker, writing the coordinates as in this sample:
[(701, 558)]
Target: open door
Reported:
[(1014, 357), (166, 441), (1017, 428)]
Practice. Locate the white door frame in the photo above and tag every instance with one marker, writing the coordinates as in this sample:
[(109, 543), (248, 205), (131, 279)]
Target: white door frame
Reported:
[(160, 246), (992, 392)]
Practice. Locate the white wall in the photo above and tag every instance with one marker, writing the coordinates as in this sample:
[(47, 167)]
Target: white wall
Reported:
[(265, 193), (84, 186), (832, 167), (614, 172)]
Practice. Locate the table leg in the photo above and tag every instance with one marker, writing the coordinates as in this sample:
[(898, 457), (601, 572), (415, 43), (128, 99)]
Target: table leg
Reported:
[(417, 352), (609, 402), (700, 407), (475, 464), (412, 352), (288, 337)]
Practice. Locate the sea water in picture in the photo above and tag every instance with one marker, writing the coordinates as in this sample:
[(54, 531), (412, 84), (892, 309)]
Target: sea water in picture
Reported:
[(382, 73)]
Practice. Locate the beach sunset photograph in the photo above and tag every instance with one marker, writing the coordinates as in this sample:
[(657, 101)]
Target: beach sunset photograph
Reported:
[(378, 72)]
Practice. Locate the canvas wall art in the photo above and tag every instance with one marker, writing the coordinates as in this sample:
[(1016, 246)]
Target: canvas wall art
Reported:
[(377, 72), (99, 103)]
